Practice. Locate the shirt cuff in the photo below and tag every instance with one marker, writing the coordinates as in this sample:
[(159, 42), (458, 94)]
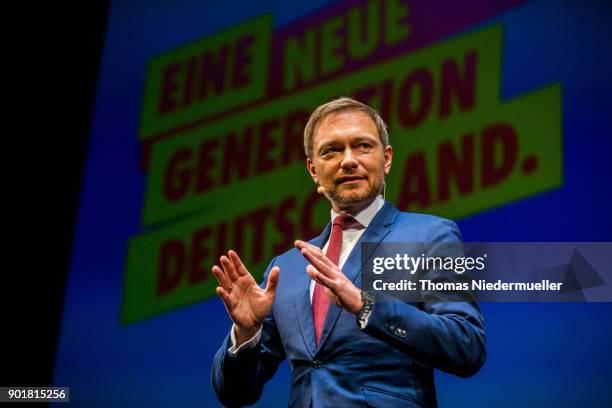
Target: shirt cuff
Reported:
[(249, 344)]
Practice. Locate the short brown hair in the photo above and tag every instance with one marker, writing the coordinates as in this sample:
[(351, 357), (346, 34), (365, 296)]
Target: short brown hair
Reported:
[(342, 103)]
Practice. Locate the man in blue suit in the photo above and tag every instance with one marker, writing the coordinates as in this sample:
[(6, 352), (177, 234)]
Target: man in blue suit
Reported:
[(346, 347)]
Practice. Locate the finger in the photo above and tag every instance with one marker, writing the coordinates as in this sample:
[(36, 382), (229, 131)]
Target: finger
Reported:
[(228, 268), (226, 297), (272, 280), (333, 298), (316, 252), (221, 278), (237, 262), (312, 272), (303, 244), (320, 278), (306, 251), (321, 262)]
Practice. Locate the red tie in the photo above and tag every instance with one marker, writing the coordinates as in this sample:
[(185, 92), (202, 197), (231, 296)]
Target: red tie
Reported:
[(320, 301)]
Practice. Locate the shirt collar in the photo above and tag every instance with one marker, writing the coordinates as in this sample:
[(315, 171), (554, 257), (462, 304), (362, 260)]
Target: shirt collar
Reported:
[(365, 216)]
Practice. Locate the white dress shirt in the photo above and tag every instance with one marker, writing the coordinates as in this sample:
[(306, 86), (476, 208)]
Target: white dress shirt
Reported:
[(350, 236)]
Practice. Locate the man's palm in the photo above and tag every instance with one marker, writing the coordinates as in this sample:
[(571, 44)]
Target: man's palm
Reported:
[(250, 304), (246, 302)]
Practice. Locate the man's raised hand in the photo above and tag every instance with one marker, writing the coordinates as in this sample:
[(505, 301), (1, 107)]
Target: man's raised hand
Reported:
[(339, 289), (247, 303)]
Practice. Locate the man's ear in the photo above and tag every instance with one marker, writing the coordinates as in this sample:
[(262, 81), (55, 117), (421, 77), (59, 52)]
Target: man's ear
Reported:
[(388, 159), (311, 169)]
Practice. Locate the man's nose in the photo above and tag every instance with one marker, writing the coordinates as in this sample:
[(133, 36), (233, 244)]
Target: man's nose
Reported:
[(348, 160)]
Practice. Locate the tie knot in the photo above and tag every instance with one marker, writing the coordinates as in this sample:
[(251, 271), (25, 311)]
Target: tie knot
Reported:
[(344, 220)]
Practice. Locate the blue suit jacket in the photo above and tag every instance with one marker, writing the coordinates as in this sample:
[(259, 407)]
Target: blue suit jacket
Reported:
[(387, 364)]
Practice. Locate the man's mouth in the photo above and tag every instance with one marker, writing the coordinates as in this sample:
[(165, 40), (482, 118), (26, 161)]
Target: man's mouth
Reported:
[(349, 180)]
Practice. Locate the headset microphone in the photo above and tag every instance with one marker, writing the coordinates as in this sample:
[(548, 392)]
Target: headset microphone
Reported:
[(321, 190)]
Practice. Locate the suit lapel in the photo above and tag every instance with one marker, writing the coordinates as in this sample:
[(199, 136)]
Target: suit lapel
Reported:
[(302, 303), (375, 233)]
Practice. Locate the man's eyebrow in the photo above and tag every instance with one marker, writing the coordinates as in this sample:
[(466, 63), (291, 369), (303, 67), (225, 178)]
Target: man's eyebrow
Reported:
[(326, 144), (366, 137), (357, 139)]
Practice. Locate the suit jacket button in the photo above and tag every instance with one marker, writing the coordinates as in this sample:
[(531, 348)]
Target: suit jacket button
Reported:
[(316, 363)]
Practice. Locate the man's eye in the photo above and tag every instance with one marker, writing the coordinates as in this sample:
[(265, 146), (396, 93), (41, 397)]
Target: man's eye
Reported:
[(330, 150), (365, 145)]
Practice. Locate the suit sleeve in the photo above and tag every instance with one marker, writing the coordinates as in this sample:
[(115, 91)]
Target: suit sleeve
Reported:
[(447, 335), (239, 380)]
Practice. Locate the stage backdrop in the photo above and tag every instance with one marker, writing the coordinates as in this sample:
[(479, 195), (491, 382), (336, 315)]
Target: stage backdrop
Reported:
[(500, 118)]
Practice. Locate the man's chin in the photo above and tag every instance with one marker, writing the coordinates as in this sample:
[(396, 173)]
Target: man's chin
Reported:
[(355, 198)]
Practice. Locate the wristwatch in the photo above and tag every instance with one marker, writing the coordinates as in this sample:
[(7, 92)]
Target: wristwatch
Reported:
[(368, 301)]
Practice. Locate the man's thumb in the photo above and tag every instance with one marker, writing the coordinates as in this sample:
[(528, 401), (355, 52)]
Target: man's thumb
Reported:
[(272, 280)]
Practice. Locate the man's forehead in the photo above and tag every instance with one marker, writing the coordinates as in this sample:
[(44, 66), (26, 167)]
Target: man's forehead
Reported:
[(345, 119)]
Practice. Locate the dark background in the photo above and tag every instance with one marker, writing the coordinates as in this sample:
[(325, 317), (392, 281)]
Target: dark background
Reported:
[(53, 65)]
